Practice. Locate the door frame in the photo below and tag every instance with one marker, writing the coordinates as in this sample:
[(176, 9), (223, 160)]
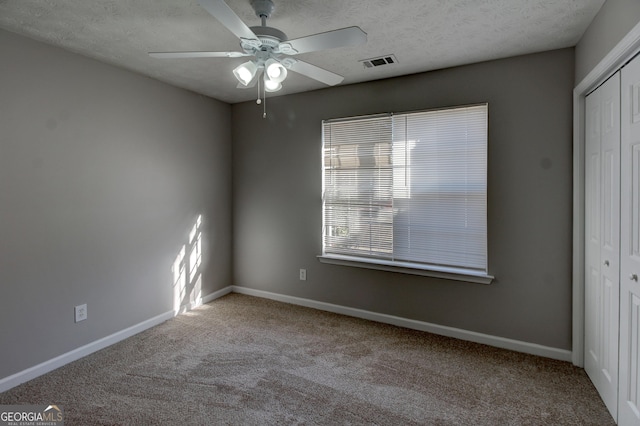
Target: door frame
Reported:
[(624, 51)]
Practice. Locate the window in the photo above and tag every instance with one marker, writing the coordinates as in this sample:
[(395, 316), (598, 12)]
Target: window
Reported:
[(408, 191)]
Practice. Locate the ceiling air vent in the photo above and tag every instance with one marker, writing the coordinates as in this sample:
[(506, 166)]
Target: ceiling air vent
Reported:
[(378, 62)]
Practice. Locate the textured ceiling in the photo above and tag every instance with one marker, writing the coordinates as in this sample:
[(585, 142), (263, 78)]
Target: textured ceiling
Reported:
[(422, 34)]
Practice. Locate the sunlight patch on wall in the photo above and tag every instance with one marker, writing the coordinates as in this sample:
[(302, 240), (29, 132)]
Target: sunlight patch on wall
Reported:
[(187, 277)]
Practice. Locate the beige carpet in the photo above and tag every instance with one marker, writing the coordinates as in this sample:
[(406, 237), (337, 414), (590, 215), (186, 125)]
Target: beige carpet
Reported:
[(242, 360)]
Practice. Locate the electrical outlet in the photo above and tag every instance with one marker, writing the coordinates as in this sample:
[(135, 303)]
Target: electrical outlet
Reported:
[(303, 274), (81, 312)]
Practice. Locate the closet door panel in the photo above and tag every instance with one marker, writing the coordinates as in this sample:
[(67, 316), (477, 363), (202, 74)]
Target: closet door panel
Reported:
[(592, 231), (610, 247), (629, 398), (602, 256)]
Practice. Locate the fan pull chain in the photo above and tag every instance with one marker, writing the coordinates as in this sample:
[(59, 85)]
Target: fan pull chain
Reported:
[(264, 96), (258, 101)]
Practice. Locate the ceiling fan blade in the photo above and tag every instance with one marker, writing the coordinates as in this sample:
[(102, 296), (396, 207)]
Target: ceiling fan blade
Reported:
[(317, 73), (350, 36), (227, 17), (178, 55)]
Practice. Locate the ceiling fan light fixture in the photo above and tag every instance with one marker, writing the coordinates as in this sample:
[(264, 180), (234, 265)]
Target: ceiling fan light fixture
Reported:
[(271, 85), (267, 45), (246, 72), (275, 70)]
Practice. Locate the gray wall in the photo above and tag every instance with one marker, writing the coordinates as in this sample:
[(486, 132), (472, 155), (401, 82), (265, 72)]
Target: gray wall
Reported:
[(277, 199), (614, 20), (102, 173)]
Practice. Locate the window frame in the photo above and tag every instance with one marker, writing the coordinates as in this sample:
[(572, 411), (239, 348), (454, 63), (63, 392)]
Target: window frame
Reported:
[(406, 267)]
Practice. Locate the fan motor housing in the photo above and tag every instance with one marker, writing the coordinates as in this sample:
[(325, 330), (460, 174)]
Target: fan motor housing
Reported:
[(269, 33)]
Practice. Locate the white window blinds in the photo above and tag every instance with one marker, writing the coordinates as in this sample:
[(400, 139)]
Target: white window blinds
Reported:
[(408, 188)]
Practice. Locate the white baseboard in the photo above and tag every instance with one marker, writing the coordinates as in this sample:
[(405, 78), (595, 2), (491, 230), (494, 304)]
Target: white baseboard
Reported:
[(472, 336), (500, 342), (217, 294), (50, 365), (202, 300), (9, 382)]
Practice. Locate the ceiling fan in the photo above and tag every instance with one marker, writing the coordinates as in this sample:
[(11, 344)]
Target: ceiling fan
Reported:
[(270, 48)]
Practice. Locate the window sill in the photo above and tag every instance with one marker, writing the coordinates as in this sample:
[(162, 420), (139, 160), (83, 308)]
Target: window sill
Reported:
[(457, 274)]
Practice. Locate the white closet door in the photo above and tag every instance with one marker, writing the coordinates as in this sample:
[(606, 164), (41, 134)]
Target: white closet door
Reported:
[(610, 240), (629, 399), (602, 253), (592, 234)]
